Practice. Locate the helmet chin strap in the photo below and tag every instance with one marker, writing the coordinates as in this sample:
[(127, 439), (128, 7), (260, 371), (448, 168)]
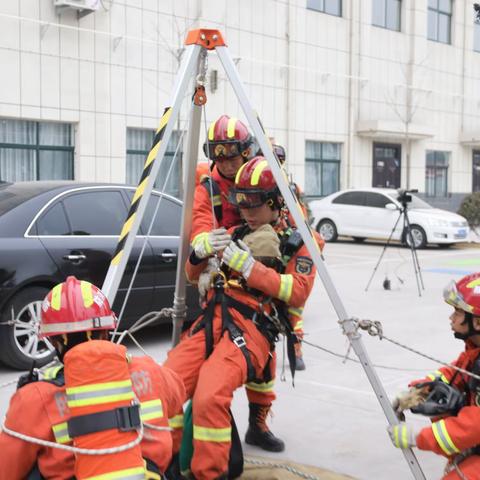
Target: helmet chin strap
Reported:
[(471, 329)]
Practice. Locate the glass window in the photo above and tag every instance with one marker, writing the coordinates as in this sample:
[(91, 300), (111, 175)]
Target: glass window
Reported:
[(167, 221), (436, 173), (53, 222), (139, 142), (96, 212), (376, 200), (35, 150), (439, 20), (322, 168), (332, 7), (476, 36), (351, 198), (476, 171), (386, 14)]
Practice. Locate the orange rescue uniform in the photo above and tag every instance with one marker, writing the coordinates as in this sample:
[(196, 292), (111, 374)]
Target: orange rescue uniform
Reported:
[(40, 410), (211, 381), (451, 435)]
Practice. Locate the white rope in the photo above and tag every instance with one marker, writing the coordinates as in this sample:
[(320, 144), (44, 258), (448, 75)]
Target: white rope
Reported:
[(288, 468), (68, 448)]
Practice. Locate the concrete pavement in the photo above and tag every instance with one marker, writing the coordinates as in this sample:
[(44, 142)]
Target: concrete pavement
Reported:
[(331, 418)]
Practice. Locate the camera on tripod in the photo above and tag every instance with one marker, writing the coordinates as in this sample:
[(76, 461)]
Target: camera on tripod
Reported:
[(404, 197)]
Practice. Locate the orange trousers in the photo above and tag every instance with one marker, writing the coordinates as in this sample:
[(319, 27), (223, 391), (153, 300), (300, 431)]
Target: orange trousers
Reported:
[(210, 383)]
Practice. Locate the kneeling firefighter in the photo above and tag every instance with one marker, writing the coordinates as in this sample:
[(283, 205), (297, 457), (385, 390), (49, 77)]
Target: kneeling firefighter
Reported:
[(96, 398), (233, 341)]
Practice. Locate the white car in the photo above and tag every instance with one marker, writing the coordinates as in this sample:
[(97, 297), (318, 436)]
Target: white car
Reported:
[(373, 213)]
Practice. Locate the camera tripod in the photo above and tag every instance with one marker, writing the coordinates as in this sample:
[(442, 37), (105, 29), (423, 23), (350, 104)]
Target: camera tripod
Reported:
[(410, 242)]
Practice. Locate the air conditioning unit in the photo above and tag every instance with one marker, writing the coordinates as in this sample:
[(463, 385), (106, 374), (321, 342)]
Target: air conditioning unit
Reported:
[(89, 5)]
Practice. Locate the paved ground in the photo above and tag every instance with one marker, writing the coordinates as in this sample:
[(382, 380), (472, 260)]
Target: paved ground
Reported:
[(331, 419)]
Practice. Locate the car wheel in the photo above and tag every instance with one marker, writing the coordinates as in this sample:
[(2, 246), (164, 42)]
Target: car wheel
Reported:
[(419, 237), (359, 239), (328, 230), (19, 342)]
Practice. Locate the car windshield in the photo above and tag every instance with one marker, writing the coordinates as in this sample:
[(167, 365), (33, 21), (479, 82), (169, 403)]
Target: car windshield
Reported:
[(414, 204)]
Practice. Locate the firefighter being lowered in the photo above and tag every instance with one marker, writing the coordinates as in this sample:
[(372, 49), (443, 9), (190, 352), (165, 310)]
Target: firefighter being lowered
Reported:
[(232, 343), (95, 399)]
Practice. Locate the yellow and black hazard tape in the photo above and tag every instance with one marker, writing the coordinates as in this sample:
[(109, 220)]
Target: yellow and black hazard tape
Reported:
[(147, 168)]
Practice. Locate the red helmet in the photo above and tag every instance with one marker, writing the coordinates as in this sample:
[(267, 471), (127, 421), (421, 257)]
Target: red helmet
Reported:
[(255, 185), (464, 294), (227, 138), (75, 306)]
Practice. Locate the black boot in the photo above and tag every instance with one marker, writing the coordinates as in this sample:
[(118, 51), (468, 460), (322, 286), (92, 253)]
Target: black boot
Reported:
[(258, 432)]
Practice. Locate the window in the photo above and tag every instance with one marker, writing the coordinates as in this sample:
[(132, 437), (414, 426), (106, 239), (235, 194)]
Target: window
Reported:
[(96, 213), (35, 150), (332, 7), (139, 143), (439, 20), (386, 14), (167, 221), (476, 171), (376, 200), (322, 168), (351, 198), (476, 36), (53, 222), (436, 174)]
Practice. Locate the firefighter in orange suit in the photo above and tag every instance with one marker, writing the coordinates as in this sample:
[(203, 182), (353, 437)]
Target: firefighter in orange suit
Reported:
[(232, 343), (74, 314), (454, 397), (229, 146)]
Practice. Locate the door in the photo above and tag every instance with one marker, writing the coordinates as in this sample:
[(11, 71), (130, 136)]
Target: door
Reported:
[(386, 165), (349, 209), (381, 220), (93, 219), (476, 171)]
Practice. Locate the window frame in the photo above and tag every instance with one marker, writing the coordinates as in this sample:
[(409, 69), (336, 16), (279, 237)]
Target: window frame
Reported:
[(438, 13), (320, 10), (322, 162), (37, 148), (476, 34), (385, 24), (436, 168)]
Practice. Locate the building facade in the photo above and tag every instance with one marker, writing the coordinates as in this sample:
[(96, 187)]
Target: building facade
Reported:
[(360, 92)]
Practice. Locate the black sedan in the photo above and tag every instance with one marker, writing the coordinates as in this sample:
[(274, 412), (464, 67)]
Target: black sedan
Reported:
[(49, 230)]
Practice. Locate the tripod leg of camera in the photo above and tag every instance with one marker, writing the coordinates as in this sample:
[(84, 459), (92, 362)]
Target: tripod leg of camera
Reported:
[(383, 251), (413, 251)]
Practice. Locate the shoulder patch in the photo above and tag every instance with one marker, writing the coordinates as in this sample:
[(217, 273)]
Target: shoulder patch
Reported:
[(304, 265)]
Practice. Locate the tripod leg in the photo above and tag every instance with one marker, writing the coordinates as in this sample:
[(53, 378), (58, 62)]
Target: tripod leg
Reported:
[(383, 252), (416, 264)]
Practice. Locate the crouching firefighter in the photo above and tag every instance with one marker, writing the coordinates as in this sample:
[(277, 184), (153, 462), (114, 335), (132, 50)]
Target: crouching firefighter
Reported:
[(96, 398), (232, 343), (451, 397)]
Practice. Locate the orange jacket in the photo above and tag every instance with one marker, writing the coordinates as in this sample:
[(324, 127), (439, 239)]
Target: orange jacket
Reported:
[(454, 434), (292, 287), (202, 207), (40, 410)]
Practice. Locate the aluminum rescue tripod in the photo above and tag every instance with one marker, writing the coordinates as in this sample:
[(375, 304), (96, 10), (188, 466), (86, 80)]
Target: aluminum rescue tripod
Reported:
[(198, 43)]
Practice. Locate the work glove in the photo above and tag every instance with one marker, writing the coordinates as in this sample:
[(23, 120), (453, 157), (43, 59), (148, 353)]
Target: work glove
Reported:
[(238, 257), (205, 279), (402, 435), (396, 405), (207, 243)]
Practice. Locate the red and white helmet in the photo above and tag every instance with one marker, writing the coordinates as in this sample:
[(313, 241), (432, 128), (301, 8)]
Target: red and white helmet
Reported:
[(75, 306), (228, 137), (464, 294), (255, 185)]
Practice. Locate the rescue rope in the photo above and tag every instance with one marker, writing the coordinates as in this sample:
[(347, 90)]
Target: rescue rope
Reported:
[(68, 448), (40, 370), (374, 329), (288, 468)]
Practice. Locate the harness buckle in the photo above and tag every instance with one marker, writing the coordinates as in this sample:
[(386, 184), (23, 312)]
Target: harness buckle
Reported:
[(239, 341), (128, 418)]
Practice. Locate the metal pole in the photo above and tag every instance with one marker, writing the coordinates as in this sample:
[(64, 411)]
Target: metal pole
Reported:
[(190, 162), (303, 227), (149, 175)]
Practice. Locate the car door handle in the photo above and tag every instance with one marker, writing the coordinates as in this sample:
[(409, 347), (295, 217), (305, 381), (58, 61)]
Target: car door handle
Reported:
[(75, 258), (168, 255)]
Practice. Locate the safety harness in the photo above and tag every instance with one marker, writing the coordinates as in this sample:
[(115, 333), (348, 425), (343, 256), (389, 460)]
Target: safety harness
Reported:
[(215, 194), (270, 325)]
